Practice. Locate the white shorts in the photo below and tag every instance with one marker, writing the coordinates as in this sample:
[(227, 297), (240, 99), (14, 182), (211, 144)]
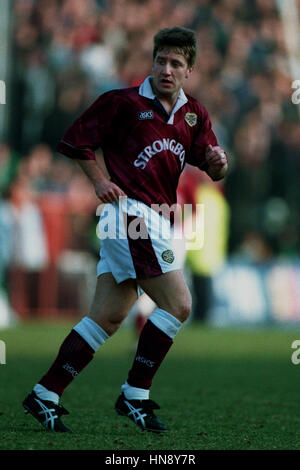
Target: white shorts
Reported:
[(136, 241)]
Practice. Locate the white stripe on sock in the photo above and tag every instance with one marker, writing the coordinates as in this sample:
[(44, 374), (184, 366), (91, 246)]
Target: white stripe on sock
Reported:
[(134, 393), (166, 322), (44, 394), (91, 332)]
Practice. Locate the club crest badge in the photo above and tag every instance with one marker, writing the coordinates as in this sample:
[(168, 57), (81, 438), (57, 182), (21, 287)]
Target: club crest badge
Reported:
[(168, 256), (191, 119)]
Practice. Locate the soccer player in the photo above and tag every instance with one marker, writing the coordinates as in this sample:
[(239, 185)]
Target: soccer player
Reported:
[(147, 134)]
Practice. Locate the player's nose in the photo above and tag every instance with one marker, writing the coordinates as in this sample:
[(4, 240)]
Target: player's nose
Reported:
[(167, 69)]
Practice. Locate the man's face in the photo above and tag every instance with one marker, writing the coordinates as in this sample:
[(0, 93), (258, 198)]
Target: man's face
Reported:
[(169, 71)]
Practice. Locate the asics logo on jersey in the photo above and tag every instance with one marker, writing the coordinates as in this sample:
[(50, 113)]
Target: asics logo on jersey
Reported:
[(159, 146), (145, 115)]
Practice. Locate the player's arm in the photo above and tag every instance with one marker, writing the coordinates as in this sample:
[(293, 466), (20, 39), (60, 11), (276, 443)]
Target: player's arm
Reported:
[(216, 161), (105, 189), (205, 152), (85, 135)]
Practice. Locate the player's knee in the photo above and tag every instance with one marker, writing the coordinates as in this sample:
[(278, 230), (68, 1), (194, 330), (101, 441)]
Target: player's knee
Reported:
[(109, 323), (183, 310), (112, 327)]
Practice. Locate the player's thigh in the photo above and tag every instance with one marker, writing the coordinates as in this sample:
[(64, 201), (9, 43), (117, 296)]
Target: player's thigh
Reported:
[(170, 292), (112, 301)]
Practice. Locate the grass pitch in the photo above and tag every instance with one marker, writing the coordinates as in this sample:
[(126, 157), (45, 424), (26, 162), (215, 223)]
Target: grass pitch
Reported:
[(218, 389)]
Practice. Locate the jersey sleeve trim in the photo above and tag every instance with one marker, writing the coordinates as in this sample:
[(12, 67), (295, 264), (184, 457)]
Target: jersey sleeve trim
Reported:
[(75, 152)]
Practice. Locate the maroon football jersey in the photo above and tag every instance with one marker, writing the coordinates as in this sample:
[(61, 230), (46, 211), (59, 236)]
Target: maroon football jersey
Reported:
[(144, 148)]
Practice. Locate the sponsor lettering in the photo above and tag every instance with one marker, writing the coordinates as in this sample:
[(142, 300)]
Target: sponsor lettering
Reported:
[(159, 146)]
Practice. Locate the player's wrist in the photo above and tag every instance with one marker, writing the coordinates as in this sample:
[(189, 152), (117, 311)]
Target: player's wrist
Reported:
[(217, 173)]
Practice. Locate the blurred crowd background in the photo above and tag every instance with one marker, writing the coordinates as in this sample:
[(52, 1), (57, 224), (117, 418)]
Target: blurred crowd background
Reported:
[(63, 54)]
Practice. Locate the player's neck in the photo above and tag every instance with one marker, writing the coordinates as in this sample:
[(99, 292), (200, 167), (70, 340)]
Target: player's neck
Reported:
[(168, 101)]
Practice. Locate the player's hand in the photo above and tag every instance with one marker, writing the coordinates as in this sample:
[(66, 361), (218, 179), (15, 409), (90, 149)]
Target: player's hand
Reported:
[(107, 191), (217, 162), (215, 157)]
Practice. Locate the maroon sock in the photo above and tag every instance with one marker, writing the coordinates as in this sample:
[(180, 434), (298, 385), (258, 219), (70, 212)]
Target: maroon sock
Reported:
[(152, 348), (74, 354)]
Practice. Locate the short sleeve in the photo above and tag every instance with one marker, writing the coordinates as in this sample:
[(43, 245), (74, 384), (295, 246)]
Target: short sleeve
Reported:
[(204, 137), (88, 132)]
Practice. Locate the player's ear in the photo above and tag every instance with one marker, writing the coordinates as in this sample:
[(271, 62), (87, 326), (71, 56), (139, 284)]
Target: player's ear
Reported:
[(153, 62), (189, 71)]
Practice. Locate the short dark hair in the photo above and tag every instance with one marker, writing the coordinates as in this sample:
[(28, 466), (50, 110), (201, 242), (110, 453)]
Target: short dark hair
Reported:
[(182, 39)]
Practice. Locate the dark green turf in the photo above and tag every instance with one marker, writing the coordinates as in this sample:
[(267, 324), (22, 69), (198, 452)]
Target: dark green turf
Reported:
[(218, 389)]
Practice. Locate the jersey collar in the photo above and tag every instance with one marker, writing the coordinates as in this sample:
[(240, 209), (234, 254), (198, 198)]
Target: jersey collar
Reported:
[(145, 90)]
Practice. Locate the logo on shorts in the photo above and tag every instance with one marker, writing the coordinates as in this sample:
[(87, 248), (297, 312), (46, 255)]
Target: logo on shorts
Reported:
[(142, 115), (191, 119), (168, 256)]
